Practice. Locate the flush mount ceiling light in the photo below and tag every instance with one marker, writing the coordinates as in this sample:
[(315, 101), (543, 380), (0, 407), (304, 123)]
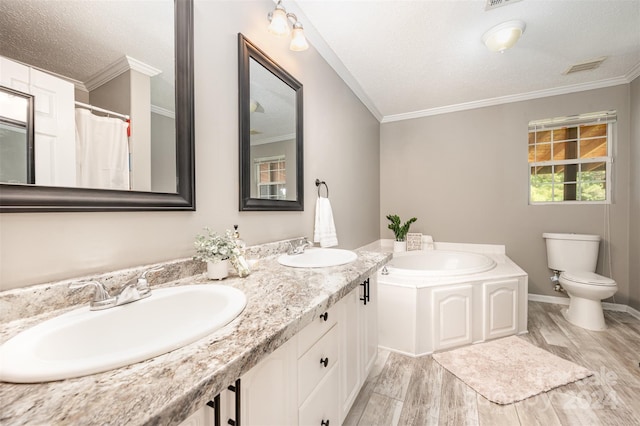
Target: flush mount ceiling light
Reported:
[(503, 36), (279, 25)]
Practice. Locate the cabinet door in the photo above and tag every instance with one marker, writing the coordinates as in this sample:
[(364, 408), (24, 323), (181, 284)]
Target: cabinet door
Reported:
[(321, 408), (268, 394), (350, 370), (202, 417), (501, 308), (451, 316), (369, 327)]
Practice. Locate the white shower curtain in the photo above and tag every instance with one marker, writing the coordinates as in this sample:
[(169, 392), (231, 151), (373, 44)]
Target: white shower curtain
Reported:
[(102, 151)]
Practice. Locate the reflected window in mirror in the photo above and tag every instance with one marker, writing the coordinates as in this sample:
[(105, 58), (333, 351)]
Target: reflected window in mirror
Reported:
[(271, 142), (137, 70)]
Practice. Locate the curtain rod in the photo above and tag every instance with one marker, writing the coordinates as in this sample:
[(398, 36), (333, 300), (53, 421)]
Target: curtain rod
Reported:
[(105, 111)]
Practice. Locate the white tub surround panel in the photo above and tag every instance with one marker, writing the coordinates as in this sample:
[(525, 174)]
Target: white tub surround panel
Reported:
[(168, 388), (419, 315)]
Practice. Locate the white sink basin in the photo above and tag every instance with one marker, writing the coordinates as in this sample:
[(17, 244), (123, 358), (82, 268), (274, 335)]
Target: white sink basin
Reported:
[(82, 342), (318, 258)]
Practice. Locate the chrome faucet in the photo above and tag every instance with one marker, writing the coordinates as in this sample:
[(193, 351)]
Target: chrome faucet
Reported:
[(299, 247), (130, 292)]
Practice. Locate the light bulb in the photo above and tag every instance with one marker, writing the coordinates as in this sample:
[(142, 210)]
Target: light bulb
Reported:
[(279, 24), (298, 40)]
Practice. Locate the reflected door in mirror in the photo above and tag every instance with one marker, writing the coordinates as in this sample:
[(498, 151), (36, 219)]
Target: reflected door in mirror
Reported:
[(16, 137)]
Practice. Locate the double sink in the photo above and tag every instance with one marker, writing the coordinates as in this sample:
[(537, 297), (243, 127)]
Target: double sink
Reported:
[(82, 341)]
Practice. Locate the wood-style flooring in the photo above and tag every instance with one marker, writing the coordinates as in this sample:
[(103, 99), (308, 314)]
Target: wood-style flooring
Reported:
[(402, 390)]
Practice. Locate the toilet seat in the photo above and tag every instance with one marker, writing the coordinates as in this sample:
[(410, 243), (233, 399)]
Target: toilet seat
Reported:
[(587, 278)]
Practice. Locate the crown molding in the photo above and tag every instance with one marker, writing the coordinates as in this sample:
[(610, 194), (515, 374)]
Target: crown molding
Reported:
[(163, 111), (321, 46), (118, 67), (317, 42), (507, 99), (279, 138), (633, 73)]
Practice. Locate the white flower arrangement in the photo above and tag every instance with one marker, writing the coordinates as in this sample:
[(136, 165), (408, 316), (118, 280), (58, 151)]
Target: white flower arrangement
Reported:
[(213, 247)]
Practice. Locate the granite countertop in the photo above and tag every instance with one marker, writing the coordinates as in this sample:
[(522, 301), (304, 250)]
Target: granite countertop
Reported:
[(167, 389)]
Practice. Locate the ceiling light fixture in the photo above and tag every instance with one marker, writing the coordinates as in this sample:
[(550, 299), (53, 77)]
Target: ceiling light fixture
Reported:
[(279, 25), (503, 36)]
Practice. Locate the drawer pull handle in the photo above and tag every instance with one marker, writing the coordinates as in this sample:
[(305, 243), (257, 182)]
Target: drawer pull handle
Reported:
[(325, 316), (324, 361), (324, 422)]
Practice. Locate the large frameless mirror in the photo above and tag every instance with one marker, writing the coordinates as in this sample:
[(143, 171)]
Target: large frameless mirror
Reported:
[(131, 80), (271, 144)]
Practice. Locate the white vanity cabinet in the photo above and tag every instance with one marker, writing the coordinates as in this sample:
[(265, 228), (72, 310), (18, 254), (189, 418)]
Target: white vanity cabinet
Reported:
[(314, 378), (202, 417), (359, 341), (269, 390), (318, 369)]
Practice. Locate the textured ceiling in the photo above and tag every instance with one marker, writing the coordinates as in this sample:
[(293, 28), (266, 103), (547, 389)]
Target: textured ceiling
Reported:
[(402, 58), (420, 57), (79, 38)]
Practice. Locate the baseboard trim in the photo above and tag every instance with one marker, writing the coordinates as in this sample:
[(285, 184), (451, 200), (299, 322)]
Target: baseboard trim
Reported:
[(548, 299), (616, 307), (633, 312)]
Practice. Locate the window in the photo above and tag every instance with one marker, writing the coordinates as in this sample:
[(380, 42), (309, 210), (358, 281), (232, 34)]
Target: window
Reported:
[(271, 178), (570, 159)]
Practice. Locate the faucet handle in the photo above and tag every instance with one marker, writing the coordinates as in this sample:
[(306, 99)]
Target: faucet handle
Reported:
[(143, 285), (156, 269), (101, 296)]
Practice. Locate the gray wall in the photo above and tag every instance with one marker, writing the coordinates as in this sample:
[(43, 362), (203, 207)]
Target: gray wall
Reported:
[(341, 146), (634, 211), (163, 153), (464, 176)]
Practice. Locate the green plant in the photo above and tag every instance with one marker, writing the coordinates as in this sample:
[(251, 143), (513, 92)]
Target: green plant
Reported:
[(400, 231), (213, 247)]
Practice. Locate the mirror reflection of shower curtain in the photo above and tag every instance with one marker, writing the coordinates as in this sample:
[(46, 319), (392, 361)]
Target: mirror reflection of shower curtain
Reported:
[(102, 151)]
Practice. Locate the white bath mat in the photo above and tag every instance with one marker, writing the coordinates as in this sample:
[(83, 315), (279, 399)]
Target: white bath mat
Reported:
[(509, 370)]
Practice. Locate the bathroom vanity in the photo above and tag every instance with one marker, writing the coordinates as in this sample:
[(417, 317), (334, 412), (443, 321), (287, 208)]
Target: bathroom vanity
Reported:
[(302, 349)]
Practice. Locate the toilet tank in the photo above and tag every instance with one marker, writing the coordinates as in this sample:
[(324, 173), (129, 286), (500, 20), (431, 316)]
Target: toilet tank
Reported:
[(572, 252)]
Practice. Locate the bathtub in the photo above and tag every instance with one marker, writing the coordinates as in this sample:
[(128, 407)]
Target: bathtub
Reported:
[(439, 263), (456, 295)]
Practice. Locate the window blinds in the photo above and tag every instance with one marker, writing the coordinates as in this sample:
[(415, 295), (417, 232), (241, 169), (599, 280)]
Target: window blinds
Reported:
[(574, 120)]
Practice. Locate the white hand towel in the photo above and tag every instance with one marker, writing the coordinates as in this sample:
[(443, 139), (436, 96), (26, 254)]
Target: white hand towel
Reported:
[(325, 229)]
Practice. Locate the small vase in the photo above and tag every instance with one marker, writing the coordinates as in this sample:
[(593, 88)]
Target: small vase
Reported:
[(399, 246), (218, 270)]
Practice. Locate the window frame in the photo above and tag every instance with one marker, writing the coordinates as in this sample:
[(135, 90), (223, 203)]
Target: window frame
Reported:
[(604, 117), (277, 184)]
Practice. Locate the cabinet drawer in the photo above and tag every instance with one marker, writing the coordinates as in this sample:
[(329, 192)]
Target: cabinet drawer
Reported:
[(322, 404), (311, 333), (316, 363)]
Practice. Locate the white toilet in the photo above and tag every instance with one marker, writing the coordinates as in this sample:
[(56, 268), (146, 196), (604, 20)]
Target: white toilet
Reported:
[(575, 256)]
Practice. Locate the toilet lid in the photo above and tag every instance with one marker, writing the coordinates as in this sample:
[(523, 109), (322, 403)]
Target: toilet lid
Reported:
[(590, 278)]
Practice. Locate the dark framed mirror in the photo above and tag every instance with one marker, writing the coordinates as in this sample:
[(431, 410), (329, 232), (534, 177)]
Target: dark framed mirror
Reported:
[(271, 133), (43, 198)]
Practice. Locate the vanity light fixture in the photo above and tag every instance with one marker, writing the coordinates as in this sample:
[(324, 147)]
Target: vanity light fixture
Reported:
[(503, 36), (279, 25)]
